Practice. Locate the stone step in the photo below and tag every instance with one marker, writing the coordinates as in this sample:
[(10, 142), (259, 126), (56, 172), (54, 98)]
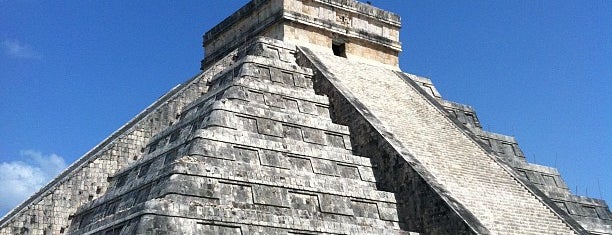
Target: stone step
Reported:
[(286, 178)]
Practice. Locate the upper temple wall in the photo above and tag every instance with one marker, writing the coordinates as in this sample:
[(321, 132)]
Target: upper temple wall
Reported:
[(363, 31)]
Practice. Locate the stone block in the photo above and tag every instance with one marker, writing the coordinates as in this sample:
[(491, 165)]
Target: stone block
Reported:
[(234, 193), (324, 167), (304, 201), (244, 154), (335, 204), (269, 127), (247, 124), (308, 107), (264, 73), (335, 140), (292, 132), (322, 110), (274, 159), (301, 81), (208, 148), (272, 196), (291, 104), (218, 118), (249, 69), (365, 209), (366, 174), (300, 164), (215, 229), (604, 213), (287, 78), (314, 136), (350, 172), (255, 96), (235, 92), (387, 211), (274, 100)]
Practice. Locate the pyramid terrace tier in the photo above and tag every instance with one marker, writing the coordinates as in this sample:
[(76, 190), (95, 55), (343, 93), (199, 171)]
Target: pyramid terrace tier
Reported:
[(257, 152)]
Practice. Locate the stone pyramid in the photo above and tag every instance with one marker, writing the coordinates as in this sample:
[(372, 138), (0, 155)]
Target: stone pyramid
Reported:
[(301, 123)]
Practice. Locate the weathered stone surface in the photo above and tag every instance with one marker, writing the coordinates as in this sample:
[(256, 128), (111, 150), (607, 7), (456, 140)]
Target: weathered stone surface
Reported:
[(271, 138), (456, 163), (247, 163)]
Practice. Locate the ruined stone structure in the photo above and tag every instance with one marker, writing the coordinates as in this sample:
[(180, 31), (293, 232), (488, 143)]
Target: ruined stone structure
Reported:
[(301, 123)]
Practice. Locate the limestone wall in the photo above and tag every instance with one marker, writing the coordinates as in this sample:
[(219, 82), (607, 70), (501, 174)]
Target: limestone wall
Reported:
[(355, 48), (349, 18), (246, 23), (50, 210), (368, 32), (257, 154)]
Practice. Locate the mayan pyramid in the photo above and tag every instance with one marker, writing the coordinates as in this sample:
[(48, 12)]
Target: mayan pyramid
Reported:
[(301, 122)]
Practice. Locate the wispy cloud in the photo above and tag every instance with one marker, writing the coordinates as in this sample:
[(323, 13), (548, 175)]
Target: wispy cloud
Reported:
[(17, 49), (20, 179)]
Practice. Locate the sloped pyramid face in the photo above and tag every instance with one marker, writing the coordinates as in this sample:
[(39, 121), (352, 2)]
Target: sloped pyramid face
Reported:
[(419, 133), (257, 154), (310, 128)]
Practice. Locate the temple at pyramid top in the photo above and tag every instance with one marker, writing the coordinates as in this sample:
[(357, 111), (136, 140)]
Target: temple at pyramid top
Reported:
[(349, 28)]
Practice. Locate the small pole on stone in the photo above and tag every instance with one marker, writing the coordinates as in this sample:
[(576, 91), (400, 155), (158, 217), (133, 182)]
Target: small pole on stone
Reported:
[(576, 190), (586, 191), (599, 189)]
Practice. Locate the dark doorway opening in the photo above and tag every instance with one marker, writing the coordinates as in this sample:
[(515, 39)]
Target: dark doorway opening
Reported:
[(339, 49)]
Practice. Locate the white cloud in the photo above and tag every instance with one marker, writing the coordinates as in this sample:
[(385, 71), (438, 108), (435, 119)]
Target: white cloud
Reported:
[(50, 164), (18, 49), (20, 179)]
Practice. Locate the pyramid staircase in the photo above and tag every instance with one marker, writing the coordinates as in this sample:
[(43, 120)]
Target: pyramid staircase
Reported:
[(256, 154), (591, 213)]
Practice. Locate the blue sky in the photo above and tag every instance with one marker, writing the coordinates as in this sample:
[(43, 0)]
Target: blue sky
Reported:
[(72, 72)]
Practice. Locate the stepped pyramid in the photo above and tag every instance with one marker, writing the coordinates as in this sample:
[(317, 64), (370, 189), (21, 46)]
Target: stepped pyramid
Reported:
[(301, 122)]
